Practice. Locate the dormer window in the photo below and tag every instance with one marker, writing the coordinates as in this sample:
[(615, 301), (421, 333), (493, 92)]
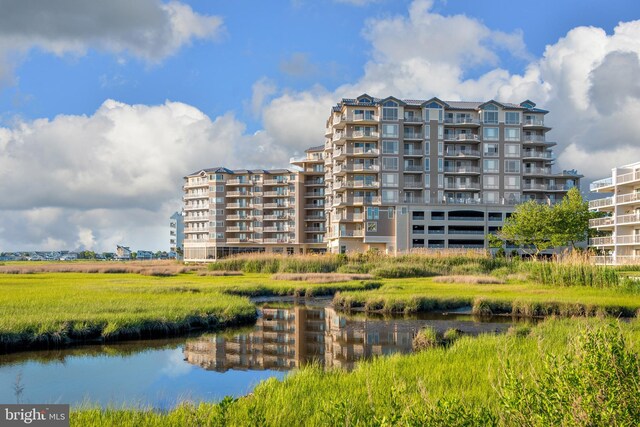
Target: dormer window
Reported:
[(364, 100), (490, 114), (390, 110)]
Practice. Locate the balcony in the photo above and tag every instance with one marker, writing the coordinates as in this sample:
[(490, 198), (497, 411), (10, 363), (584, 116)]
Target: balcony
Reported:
[(360, 151), (351, 233), (358, 200), (197, 207), (470, 186), (601, 241), (628, 178), (274, 229), (626, 198), (236, 240), (462, 169), (461, 121), (275, 205), (537, 171), (358, 134), (314, 194), (538, 155), (315, 229), (276, 181), (241, 182), (462, 153), (276, 193), (533, 123), (536, 139), (413, 184), (313, 206), (239, 194), (412, 135), (628, 219), (191, 196), (356, 184), (601, 203), (276, 217), (341, 169), (601, 222), (201, 183), (412, 168), (544, 187), (413, 152), (237, 229), (601, 184), (278, 240), (356, 217), (466, 137), (239, 206)]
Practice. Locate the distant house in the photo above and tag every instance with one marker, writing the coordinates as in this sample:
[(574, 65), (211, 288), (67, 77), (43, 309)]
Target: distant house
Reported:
[(69, 256), (144, 255), (123, 252)]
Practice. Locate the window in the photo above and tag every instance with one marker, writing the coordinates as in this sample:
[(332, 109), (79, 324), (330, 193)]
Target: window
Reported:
[(511, 197), (491, 197), (440, 148), (427, 181), (490, 134), (390, 163), (440, 132), (512, 118), (219, 211), (440, 164), (390, 130), (490, 114), (427, 164), (389, 179), (390, 111), (391, 213), (490, 182), (512, 182), (512, 134), (512, 150), (512, 166), (372, 226), (427, 132), (373, 213), (440, 180), (490, 165), (491, 150), (389, 196), (219, 224), (389, 147), (427, 148)]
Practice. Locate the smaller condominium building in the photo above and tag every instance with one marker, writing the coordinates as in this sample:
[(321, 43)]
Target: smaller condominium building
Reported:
[(619, 228), (234, 211), (176, 232)]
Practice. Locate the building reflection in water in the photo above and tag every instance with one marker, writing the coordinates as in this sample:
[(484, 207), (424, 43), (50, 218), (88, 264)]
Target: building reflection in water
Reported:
[(286, 338)]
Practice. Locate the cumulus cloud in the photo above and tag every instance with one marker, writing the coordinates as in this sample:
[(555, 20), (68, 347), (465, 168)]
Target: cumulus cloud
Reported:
[(298, 65), (146, 29), (94, 181)]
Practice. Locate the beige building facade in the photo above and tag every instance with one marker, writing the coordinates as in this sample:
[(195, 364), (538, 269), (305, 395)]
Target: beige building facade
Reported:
[(393, 175), (619, 242)]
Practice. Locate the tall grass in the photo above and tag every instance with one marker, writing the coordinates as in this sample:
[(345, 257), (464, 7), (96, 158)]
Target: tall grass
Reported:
[(417, 264), (458, 385), (572, 270), (148, 268)]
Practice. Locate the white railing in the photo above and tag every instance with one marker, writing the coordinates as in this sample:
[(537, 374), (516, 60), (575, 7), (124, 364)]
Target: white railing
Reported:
[(628, 177), (601, 222), (533, 138), (537, 171), (606, 182), (351, 233), (626, 219), (362, 134), (462, 121), (462, 153), (461, 169), (413, 168), (461, 137), (361, 151), (537, 155), (459, 186), (616, 260), (601, 241), (413, 135), (361, 117), (626, 198), (533, 122), (607, 201)]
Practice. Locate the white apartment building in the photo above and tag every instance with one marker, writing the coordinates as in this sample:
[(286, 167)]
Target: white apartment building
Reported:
[(620, 227), (393, 175)]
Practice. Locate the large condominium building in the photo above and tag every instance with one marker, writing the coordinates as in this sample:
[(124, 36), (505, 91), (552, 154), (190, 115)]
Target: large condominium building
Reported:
[(392, 175), (620, 227)]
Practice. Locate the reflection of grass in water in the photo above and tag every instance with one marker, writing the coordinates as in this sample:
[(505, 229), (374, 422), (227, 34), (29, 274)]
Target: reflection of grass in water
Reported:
[(461, 381)]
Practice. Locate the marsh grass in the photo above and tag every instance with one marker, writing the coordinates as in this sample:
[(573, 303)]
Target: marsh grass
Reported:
[(57, 309), (455, 385), (477, 280), (147, 268), (321, 277)]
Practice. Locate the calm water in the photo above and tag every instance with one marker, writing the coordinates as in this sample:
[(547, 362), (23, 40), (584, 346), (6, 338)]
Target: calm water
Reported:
[(207, 367)]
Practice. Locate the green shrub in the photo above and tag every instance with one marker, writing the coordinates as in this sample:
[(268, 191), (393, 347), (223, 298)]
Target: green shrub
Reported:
[(426, 338)]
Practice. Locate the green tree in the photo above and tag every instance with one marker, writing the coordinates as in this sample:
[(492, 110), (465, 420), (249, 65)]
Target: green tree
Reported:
[(570, 220), (530, 225)]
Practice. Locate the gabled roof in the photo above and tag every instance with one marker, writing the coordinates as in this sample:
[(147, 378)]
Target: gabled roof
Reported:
[(210, 170), (506, 105), (391, 98), (434, 99)]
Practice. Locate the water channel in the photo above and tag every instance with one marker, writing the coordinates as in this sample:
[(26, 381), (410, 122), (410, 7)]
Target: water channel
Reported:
[(208, 366)]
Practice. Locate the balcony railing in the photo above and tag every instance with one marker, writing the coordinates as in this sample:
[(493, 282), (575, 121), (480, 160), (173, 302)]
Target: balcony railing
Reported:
[(363, 117), (628, 177), (533, 138), (462, 153), (351, 233), (461, 121), (627, 219), (601, 222), (412, 168), (601, 241), (537, 171), (533, 122), (362, 134), (413, 184), (352, 217), (461, 137), (616, 260), (606, 182), (600, 203), (537, 155), (413, 135), (627, 198), (356, 184), (356, 168), (461, 169)]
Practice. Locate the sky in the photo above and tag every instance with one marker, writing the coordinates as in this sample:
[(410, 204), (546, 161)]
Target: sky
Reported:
[(105, 106)]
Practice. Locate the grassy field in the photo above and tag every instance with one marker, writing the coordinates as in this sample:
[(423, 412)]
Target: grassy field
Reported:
[(458, 385), (517, 297), (58, 308)]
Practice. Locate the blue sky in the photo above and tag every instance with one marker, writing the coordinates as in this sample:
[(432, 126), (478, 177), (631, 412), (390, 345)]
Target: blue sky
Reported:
[(105, 106)]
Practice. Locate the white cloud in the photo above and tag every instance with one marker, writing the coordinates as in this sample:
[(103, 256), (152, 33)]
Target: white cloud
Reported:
[(146, 29), (298, 65)]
